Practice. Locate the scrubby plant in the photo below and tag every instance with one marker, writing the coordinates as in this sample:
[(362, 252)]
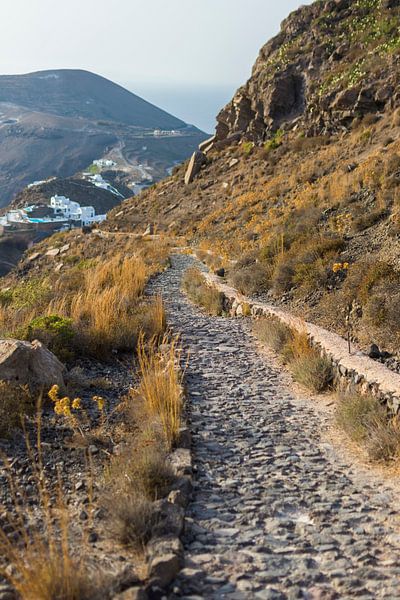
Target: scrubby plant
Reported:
[(312, 370), (132, 518), (196, 288), (160, 386), (247, 147), (15, 402), (274, 333), (57, 333), (250, 279), (368, 220), (275, 141), (368, 423), (308, 366)]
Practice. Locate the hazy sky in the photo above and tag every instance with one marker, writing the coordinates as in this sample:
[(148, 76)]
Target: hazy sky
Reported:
[(155, 47)]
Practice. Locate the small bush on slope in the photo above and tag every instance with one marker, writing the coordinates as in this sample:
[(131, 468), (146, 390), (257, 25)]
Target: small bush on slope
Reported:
[(132, 519), (194, 285), (273, 332), (15, 402), (307, 365), (366, 422), (251, 279), (57, 333)]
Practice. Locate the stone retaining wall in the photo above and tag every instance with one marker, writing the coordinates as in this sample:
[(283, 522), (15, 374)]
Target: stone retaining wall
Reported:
[(354, 369)]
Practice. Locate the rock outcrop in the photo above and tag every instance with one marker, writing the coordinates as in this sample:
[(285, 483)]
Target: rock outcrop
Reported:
[(30, 364), (311, 73), (196, 162)]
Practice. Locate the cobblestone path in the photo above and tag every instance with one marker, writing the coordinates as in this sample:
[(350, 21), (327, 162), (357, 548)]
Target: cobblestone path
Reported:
[(276, 512)]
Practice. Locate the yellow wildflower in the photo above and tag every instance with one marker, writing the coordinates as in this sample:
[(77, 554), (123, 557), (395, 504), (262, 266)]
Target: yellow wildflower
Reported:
[(100, 402), (53, 393), (337, 267), (346, 266), (76, 403)]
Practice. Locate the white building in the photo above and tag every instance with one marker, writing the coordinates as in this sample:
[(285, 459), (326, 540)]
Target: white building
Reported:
[(104, 162), (73, 211), (165, 133)]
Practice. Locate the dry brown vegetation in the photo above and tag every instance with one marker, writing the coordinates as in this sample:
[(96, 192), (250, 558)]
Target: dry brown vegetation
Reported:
[(51, 560), (95, 305), (293, 214), (368, 423), (46, 564), (306, 363), (152, 412), (160, 386), (15, 402), (206, 296)]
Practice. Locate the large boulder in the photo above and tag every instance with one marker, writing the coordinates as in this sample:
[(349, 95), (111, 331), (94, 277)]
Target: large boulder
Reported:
[(30, 364), (196, 162)]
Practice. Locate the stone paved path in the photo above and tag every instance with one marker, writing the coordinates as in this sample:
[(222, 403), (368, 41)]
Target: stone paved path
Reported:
[(276, 513)]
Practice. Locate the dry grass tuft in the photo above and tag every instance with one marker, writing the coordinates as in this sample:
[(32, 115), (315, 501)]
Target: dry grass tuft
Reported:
[(308, 366), (160, 386), (273, 332), (313, 371), (15, 402), (105, 312), (368, 423), (196, 288), (132, 519), (45, 573)]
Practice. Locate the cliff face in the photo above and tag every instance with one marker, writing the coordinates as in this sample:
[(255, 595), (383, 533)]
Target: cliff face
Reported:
[(331, 62)]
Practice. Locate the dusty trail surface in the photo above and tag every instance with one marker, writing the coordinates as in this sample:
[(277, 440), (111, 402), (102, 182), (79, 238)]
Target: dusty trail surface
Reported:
[(277, 513)]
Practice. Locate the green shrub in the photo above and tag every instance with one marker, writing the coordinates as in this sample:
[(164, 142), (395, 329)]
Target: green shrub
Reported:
[(247, 147), (275, 141), (57, 333), (27, 294)]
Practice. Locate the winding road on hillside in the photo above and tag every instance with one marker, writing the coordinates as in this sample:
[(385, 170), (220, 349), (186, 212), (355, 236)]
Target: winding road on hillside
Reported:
[(277, 512)]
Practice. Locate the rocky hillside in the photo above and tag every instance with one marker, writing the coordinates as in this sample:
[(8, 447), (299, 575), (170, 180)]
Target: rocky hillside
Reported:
[(332, 61), (55, 123), (300, 184)]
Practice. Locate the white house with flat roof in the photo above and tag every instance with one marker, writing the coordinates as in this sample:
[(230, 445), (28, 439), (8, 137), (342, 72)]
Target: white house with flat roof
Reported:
[(73, 211)]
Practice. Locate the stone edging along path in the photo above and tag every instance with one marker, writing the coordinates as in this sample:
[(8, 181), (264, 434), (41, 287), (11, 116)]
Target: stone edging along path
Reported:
[(355, 369)]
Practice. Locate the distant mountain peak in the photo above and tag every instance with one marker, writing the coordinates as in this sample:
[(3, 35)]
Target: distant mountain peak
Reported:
[(65, 92)]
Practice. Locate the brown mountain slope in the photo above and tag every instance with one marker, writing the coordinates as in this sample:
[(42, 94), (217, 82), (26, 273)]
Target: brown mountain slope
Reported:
[(302, 183)]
